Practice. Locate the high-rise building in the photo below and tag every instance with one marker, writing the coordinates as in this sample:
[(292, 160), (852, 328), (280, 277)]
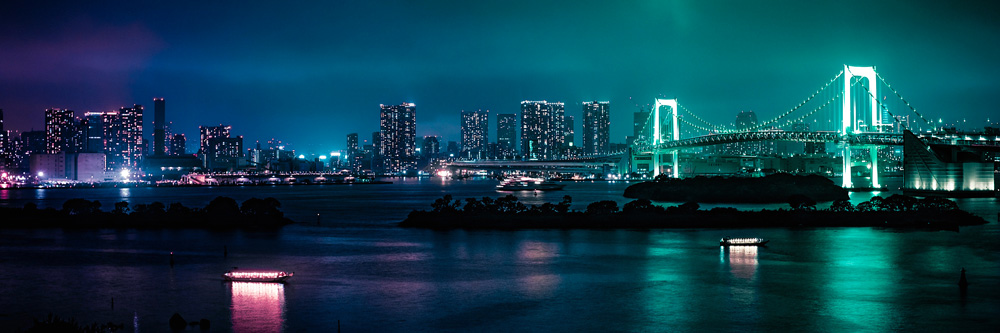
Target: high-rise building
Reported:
[(570, 133), (432, 146), (131, 136), (218, 150), (60, 131), (507, 130), (178, 145), (355, 156), (398, 132), (5, 146), (160, 123), (475, 133), (639, 129), (596, 127), (92, 127), (209, 132), (542, 129), (745, 121)]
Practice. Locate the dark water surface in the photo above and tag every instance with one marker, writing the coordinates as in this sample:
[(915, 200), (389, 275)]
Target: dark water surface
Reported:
[(371, 276)]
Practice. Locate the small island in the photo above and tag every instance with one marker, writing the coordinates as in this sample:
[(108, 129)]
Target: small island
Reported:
[(769, 189), (220, 213), (897, 211)]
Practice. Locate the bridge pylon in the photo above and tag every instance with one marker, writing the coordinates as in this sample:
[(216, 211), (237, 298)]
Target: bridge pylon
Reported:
[(657, 137), (855, 122)]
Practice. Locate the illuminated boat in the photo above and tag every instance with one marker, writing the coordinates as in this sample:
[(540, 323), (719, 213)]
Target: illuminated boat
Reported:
[(743, 242), (256, 276), (528, 184)]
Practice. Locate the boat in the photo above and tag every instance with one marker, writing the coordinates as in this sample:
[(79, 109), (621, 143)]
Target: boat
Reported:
[(528, 184), (256, 276), (743, 242)]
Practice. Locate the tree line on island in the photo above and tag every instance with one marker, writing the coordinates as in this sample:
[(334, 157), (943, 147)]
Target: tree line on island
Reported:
[(509, 213), (220, 213)]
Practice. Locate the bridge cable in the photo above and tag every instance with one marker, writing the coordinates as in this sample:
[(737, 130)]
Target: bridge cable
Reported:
[(904, 100), (821, 89), (880, 104)]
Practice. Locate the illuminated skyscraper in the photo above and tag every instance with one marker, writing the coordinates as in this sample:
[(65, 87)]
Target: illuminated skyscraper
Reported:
[(475, 133), (178, 145), (160, 123), (398, 137), (209, 132), (507, 134), (60, 130), (355, 156), (220, 151), (542, 129), (596, 127)]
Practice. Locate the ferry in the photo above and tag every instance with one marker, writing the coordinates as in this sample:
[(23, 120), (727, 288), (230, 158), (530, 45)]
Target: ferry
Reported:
[(743, 242), (528, 184), (256, 276)]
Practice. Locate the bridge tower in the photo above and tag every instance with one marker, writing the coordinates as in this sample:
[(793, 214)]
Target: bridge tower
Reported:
[(658, 136), (853, 121)]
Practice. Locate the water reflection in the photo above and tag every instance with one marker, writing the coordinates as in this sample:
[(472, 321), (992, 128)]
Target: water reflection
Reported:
[(742, 260), (258, 307)]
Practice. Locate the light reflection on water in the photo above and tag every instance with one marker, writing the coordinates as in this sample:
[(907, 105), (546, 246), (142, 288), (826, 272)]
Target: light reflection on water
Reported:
[(257, 307), (742, 260)]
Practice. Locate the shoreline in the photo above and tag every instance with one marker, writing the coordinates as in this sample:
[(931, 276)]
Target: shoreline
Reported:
[(897, 211)]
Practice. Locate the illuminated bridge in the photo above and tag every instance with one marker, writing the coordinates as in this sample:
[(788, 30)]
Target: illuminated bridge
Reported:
[(847, 111)]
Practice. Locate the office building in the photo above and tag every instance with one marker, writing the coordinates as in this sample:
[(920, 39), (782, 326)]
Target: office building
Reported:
[(542, 129), (506, 135), (159, 123), (596, 127), (178, 145), (397, 138), (60, 131), (475, 133), (639, 129)]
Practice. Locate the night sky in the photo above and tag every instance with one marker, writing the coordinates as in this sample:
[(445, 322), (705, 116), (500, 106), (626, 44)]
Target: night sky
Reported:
[(310, 74)]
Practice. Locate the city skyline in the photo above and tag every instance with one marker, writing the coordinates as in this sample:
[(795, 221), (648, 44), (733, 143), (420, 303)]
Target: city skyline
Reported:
[(456, 56)]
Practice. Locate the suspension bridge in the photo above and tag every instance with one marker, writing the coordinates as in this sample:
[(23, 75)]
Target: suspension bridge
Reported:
[(846, 111)]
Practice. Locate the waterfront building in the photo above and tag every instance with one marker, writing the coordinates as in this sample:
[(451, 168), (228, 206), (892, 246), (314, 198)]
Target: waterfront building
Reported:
[(948, 170), (159, 123), (475, 133), (596, 127), (178, 145), (397, 138), (88, 167), (506, 135), (60, 130), (124, 141), (432, 146), (209, 132), (92, 128), (542, 129), (218, 150), (5, 146)]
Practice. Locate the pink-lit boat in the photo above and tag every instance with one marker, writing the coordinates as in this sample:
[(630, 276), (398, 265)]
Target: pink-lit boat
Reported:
[(743, 242), (256, 276)]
